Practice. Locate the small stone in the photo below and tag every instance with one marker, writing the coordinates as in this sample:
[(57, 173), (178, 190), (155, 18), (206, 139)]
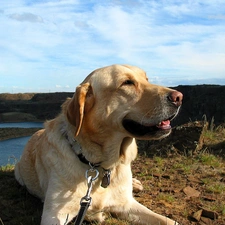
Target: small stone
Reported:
[(194, 179), (210, 214), (166, 176), (209, 198), (197, 215), (156, 175), (206, 221), (191, 192)]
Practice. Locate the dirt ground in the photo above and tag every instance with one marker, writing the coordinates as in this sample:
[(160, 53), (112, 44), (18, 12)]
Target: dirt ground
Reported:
[(178, 185)]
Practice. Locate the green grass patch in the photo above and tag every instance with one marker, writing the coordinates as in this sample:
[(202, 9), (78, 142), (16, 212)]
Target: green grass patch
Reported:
[(166, 197), (216, 188), (209, 159), (7, 168), (159, 161)]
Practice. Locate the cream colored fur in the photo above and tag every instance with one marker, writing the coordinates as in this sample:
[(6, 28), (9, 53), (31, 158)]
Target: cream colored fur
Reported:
[(51, 170)]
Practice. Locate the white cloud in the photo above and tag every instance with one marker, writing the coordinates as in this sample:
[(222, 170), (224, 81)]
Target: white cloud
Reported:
[(26, 17), (67, 39)]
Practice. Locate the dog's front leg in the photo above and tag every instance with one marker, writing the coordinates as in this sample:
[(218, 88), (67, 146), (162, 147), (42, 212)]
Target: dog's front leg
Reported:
[(59, 210), (59, 219), (139, 214)]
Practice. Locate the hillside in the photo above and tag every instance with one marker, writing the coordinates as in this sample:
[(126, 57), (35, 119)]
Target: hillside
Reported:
[(199, 101), (31, 107)]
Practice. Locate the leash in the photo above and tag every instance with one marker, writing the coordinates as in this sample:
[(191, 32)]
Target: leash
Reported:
[(85, 202)]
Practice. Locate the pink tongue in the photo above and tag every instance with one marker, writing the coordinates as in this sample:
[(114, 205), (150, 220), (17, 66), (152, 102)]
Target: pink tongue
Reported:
[(165, 125)]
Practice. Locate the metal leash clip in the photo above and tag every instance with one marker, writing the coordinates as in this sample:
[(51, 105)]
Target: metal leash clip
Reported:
[(90, 179), (85, 202)]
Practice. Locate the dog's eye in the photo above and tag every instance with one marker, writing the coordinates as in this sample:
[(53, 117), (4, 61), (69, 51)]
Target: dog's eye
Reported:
[(128, 82)]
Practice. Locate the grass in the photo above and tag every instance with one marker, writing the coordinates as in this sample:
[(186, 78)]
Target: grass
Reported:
[(210, 160), (166, 197), (16, 204), (216, 188), (183, 167), (7, 168), (222, 209)]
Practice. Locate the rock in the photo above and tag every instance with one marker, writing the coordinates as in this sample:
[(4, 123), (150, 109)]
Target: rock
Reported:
[(206, 221), (209, 198), (191, 192), (194, 179), (166, 176), (210, 214), (197, 215), (157, 175), (205, 217)]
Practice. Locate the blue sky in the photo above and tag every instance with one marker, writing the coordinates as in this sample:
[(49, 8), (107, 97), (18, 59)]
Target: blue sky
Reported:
[(49, 46)]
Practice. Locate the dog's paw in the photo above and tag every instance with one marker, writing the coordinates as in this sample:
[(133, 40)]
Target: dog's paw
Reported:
[(137, 186), (98, 217)]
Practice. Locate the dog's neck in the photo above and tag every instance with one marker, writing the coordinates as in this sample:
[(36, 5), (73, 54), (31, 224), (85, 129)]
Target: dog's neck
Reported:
[(105, 155), (76, 147), (78, 151)]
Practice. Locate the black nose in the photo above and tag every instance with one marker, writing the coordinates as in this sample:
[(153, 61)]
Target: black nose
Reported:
[(176, 97)]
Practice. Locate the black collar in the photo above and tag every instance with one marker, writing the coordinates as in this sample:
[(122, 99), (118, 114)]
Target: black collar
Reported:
[(80, 156), (106, 173), (85, 161)]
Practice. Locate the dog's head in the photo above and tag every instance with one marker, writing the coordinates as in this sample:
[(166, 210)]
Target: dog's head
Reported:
[(120, 99)]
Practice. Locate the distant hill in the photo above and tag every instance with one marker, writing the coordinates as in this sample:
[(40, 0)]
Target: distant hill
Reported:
[(202, 101), (31, 107), (199, 101)]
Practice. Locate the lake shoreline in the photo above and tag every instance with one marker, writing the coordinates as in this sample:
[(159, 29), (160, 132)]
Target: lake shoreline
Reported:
[(15, 132)]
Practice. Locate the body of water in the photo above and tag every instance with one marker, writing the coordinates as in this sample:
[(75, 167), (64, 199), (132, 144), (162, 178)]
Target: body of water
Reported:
[(22, 124), (11, 149)]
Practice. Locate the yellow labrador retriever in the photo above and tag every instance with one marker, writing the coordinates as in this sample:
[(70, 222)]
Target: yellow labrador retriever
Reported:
[(95, 133)]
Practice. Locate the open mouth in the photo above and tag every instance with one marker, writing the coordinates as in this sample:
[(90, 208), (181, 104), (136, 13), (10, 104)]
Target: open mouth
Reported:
[(140, 130)]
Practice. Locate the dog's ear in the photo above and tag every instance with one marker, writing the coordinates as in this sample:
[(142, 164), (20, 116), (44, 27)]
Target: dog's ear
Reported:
[(81, 103)]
